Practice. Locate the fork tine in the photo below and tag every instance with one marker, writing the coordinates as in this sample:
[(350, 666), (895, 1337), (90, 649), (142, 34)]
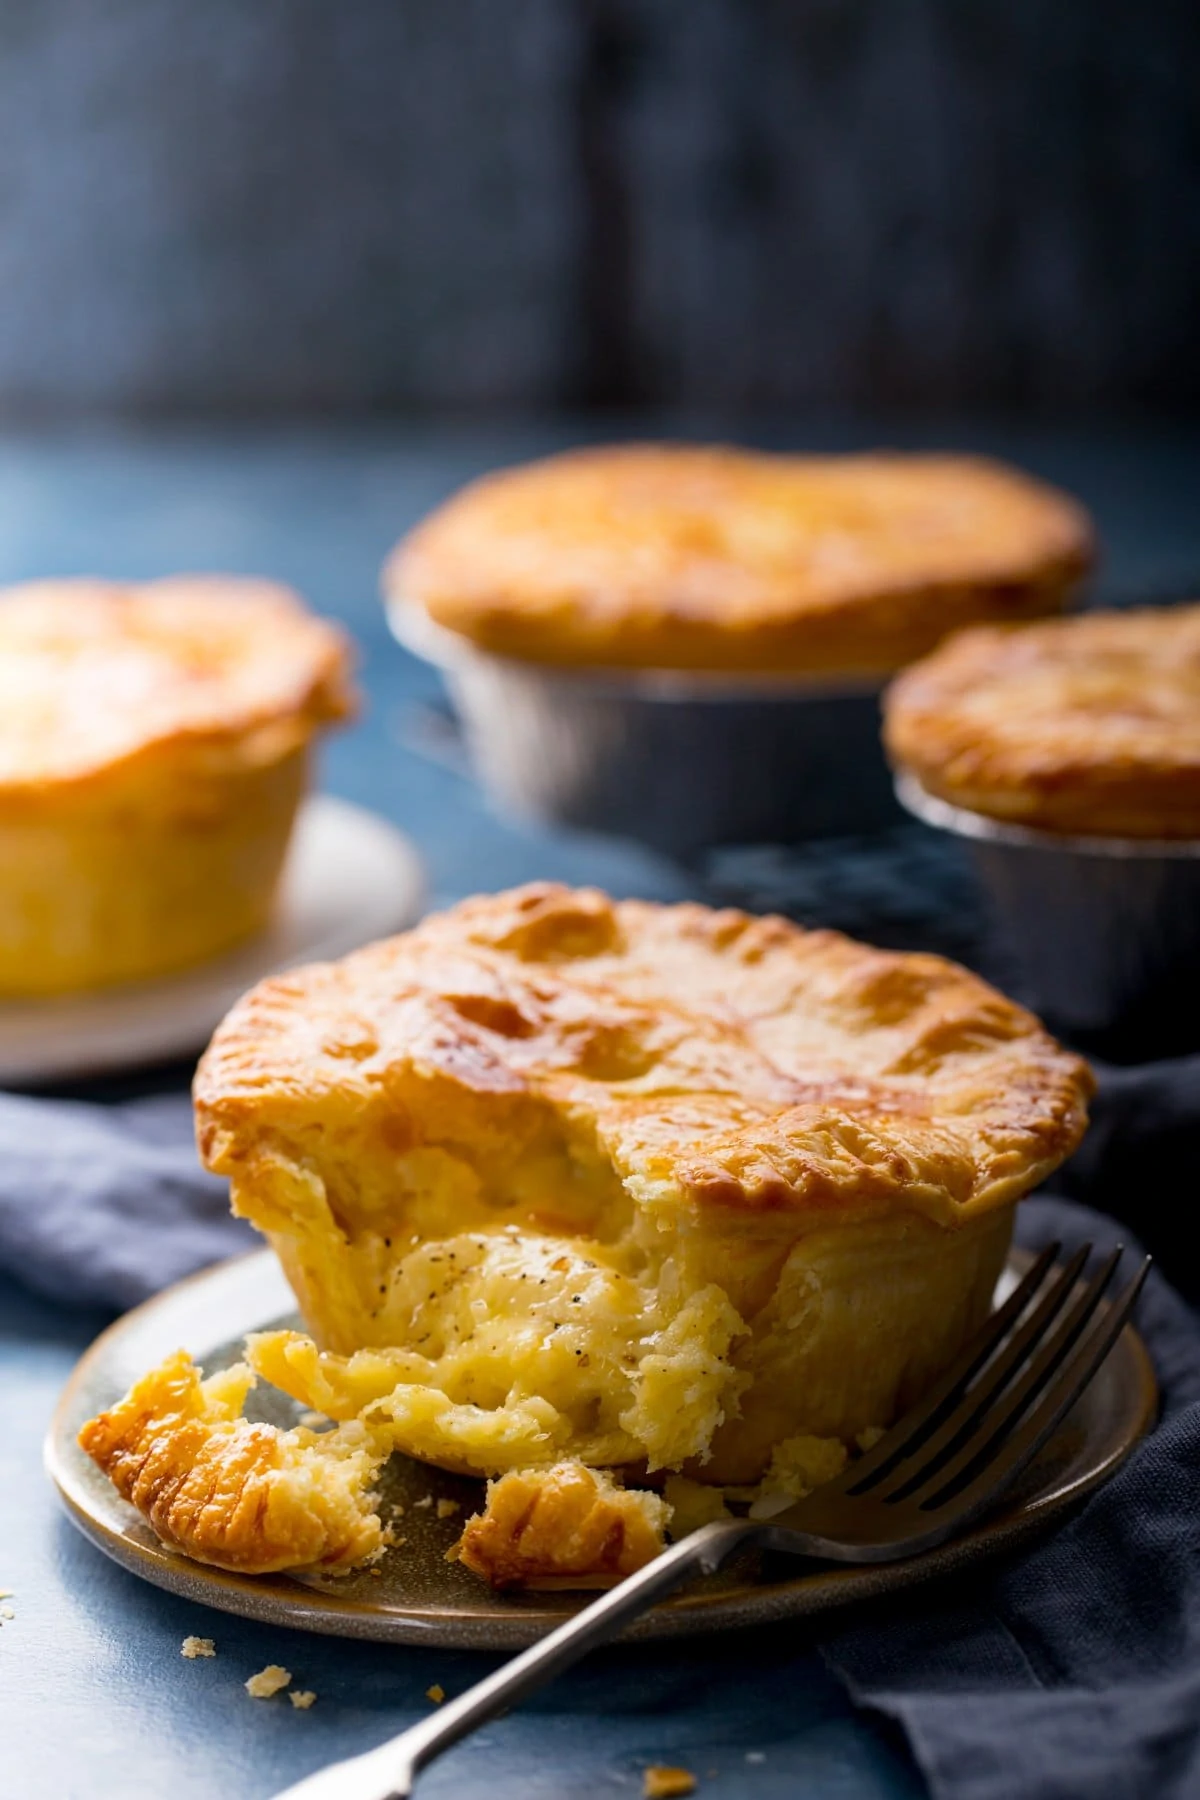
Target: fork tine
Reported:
[(917, 1424), (1017, 1449), (947, 1446), (937, 1484)]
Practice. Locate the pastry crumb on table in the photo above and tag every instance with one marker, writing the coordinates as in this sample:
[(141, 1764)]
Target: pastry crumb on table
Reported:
[(268, 1681), (192, 1647), (661, 1782), (446, 1509), (302, 1698)]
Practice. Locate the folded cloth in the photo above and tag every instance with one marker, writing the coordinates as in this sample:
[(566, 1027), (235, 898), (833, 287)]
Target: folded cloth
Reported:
[(107, 1204), (1073, 1668), (1140, 1160)]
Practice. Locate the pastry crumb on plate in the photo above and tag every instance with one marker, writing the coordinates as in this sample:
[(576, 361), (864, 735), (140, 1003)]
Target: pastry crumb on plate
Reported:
[(192, 1647), (567, 1525)]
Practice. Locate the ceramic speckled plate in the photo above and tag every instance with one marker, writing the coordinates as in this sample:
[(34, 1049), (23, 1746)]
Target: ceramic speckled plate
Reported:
[(416, 1596), (350, 877)]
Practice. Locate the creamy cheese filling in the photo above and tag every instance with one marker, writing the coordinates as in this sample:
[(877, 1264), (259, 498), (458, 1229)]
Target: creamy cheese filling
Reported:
[(514, 1349)]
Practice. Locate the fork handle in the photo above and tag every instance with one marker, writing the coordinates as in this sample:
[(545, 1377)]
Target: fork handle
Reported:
[(387, 1773)]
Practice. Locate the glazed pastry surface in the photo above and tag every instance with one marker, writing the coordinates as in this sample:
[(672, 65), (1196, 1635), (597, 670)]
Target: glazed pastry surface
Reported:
[(1087, 726), (677, 557), (240, 1496), (94, 675)]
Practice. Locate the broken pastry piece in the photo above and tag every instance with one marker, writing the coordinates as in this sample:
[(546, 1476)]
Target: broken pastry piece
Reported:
[(567, 1526), (242, 1496)]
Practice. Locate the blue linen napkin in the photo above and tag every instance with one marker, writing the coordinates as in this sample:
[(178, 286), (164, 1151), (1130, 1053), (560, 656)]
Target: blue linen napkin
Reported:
[(1073, 1668), (105, 1205)]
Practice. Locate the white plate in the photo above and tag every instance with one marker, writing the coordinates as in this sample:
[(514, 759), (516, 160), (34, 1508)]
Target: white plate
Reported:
[(350, 877)]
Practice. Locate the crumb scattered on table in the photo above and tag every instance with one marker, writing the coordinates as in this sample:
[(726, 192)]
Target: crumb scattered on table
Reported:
[(192, 1647), (446, 1509), (302, 1698), (268, 1681), (6, 1612), (423, 1503), (662, 1783), (436, 1693)]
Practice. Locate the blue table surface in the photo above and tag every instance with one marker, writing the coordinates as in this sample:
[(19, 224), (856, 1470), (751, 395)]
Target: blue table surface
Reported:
[(95, 1698)]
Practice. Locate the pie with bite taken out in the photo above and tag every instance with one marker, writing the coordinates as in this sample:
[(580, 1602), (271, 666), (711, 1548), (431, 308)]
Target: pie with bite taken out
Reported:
[(565, 1183)]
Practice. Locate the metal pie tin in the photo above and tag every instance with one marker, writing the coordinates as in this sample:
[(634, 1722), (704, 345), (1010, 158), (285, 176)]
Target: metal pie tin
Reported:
[(1102, 933), (681, 762)]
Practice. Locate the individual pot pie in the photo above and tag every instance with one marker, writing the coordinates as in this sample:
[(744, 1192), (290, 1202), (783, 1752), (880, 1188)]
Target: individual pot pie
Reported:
[(562, 1182), (677, 557), (1066, 757), (154, 747), (1087, 726)]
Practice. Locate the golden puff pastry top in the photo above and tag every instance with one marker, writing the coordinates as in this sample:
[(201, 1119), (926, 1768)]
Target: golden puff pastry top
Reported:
[(1088, 725), (677, 557), (95, 675), (711, 1059)]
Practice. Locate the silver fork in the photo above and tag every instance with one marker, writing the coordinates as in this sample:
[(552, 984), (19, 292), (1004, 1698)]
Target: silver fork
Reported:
[(945, 1463)]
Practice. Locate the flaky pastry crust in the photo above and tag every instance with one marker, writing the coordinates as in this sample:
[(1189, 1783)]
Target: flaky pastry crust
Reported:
[(240, 1496), (95, 676), (565, 1526), (677, 557), (1088, 726), (719, 1061)]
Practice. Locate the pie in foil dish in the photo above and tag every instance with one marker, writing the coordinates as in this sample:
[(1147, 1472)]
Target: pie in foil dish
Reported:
[(1088, 726), (710, 558), (619, 1206)]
